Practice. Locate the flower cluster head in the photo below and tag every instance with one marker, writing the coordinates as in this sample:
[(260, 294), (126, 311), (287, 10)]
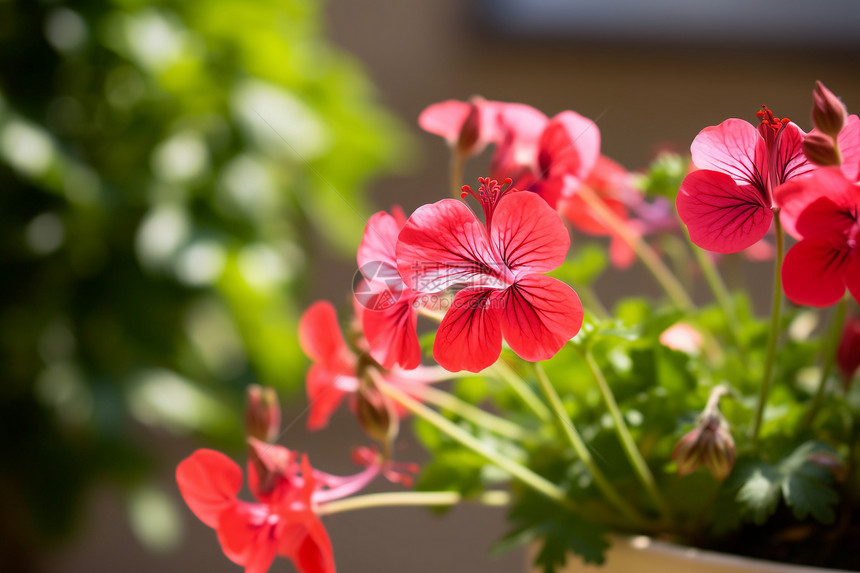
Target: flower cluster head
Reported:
[(557, 158), (497, 267), (289, 497), (728, 203)]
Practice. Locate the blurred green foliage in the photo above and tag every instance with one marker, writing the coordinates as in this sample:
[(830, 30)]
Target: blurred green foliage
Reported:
[(163, 166)]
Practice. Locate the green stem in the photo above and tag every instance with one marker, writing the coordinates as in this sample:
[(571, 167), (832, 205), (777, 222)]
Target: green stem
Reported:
[(456, 174), (517, 470), (630, 449), (471, 413), (646, 254), (775, 312), (583, 452), (523, 390), (721, 293), (828, 353), (413, 498)]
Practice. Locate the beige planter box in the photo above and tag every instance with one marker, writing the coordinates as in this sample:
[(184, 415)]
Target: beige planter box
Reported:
[(646, 555)]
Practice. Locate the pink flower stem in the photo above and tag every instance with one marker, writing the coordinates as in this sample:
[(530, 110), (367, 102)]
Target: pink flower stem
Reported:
[(828, 355), (775, 314), (646, 254), (581, 449)]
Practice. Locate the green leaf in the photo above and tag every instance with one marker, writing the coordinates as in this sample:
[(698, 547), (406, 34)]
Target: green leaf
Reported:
[(807, 495), (760, 493)]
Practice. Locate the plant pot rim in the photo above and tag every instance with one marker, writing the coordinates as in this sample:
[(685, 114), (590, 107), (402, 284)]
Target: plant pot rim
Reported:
[(649, 555), (725, 561)]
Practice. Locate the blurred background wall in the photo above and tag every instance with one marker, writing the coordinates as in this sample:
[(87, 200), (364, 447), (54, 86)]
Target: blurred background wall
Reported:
[(161, 227)]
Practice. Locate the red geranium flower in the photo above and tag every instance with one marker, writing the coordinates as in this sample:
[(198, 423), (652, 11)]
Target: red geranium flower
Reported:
[(282, 522), (728, 203), (824, 211), (470, 126), (551, 158), (499, 264), (335, 370)]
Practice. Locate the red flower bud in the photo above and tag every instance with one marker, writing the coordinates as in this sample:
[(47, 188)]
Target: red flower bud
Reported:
[(709, 443), (848, 353), (820, 149), (828, 111), (262, 413), (375, 415), (470, 132)]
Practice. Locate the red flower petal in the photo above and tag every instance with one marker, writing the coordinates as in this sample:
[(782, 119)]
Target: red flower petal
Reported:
[(791, 162), (849, 147), (848, 353), (445, 119), (814, 270), (470, 336), (391, 334), (326, 389), (209, 482), (247, 537), (585, 219), (380, 238), (569, 145), (720, 215), (443, 245), (528, 235), (852, 274), (321, 339), (735, 148), (539, 315), (822, 202), (309, 547)]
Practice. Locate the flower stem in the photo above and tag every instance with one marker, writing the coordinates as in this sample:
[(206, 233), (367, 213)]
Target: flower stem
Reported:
[(519, 471), (658, 268), (721, 293), (775, 313), (414, 498), (456, 174), (471, 413), (582, 451), (828, 353), (630, 449), (523, 390)]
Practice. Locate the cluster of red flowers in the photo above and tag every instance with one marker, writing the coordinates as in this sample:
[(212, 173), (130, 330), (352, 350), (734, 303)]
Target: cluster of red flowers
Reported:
[(485, 280)]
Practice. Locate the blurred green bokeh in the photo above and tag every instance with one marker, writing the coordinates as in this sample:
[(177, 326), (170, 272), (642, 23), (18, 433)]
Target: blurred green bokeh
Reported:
[(163, 166)]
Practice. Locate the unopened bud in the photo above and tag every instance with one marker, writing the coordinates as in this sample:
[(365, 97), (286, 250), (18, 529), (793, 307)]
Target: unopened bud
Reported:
[(820, 149), (848, 353), (375, 415), (262, 413), (709, 443), (828, 111), (268, 465), (470, 132)]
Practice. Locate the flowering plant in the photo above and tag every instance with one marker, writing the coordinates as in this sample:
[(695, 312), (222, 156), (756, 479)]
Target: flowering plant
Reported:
[(698, 422)]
